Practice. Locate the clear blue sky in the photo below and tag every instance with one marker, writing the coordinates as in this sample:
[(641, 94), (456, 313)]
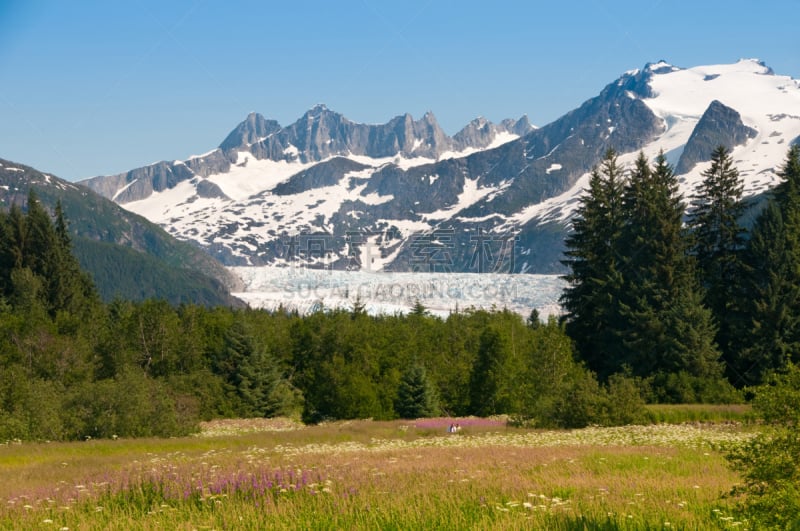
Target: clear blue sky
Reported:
[(100, 87)]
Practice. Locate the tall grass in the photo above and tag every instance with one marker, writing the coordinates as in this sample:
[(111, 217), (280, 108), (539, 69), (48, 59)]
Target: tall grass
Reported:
[(681, 413), (367, 475)]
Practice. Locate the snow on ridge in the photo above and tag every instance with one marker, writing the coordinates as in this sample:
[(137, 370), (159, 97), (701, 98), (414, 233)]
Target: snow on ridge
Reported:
[(553, 167), (470, 194), (121, 190), (207, 153), (249, 175), (500, 138)]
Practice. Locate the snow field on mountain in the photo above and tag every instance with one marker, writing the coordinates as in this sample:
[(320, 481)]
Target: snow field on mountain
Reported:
[(469, 195), (761, 98), (307, 290), (253, 212), (681, 98), (250, 175)]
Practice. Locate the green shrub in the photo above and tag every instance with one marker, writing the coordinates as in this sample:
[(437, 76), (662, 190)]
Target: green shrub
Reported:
[(625, 402), (130, 405), (770, 462)]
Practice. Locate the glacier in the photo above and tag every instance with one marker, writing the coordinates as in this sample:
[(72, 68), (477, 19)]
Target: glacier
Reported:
[(308, 290)]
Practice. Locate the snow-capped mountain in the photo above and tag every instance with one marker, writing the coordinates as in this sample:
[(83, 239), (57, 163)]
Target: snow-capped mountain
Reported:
[(274, 153), (404, 196)]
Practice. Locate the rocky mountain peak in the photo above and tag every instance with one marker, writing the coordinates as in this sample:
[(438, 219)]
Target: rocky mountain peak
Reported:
[(521, 126), (660, 67), (320, 112), (253, 129), (719, 125), (317, 109)]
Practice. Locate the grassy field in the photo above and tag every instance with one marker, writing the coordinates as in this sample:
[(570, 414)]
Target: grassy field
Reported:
[(263, 474)]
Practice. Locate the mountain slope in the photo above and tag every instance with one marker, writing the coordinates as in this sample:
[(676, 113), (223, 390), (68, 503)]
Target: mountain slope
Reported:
[(126, 255), (328, 192)]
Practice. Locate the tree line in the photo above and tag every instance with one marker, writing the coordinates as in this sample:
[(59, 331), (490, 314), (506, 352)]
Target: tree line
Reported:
[(691, 303)]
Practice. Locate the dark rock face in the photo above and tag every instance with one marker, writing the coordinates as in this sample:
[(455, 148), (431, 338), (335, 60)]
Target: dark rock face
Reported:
[(321, 133), (209, 190), (719, 125), (548, 161), (323, 174)]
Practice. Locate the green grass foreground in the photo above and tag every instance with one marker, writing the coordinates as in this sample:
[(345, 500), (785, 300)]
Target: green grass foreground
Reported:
[(275, 474)]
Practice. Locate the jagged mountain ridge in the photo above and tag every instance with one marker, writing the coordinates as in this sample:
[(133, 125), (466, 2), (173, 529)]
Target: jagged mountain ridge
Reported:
[(318, 135), (281, 187)]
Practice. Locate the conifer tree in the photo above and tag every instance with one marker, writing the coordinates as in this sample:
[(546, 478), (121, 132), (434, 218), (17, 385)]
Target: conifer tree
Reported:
[(69, 288), (773, 282), (590, 300), (40, 237), (668, 330), (718, 244), (489, 392), (416, 396)]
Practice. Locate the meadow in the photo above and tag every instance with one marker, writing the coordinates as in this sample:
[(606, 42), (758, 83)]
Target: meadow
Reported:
[(278, 474)]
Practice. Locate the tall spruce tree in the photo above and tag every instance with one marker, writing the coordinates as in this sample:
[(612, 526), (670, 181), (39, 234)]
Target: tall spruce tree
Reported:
[(490, 381), (668, 330), (591, 298), (416, 395), (773, 283), (69, 288), (718, 245)]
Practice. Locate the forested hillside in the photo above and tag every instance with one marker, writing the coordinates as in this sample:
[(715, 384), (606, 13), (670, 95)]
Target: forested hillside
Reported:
[(126, 255)]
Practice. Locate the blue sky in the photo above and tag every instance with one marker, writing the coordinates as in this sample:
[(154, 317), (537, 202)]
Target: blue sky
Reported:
[(100, 87)]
